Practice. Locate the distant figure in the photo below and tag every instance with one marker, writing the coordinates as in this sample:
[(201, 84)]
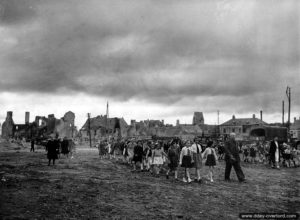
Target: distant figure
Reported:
[(232, 158), (52, 148), (287, 155), (253, 151), (65, 147), (245, 153), (111, 149), (102, 150), (72, 148), (137, 156), (125, 152), (274, 153), (220, 151), (32, 145), (147, 155)]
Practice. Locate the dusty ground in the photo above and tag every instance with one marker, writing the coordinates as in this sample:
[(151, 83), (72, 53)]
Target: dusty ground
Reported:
[(86, 187)]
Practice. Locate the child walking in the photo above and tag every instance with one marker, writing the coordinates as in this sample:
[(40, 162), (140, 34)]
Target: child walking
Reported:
[(173, 156), (211, 158), (157, 159), (186, 161)]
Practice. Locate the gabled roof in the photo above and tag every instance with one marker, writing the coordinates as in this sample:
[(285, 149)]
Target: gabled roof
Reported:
[(243, 121)]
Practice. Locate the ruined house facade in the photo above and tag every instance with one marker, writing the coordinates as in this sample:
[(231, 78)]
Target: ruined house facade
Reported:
[(158, 128), (41, 127), (8, 125), (101, 127), (198, 118)]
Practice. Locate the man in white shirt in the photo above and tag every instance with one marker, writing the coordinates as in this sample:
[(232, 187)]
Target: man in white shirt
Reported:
[(274, 153)]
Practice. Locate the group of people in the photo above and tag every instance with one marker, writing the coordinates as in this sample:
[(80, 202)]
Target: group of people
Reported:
[(55, 147), (152, 155), (260, 153), (284, 153)]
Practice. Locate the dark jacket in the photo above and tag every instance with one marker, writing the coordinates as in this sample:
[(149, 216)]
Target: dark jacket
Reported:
[(52, 148), (138, 151), (231, 150), (65, 146), (273, 150)]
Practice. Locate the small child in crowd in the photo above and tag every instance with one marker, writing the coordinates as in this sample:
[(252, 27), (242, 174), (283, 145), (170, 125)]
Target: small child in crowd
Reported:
[(211, 159)]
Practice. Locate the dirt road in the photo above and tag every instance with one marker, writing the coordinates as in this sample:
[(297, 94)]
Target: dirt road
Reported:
[(86, 187)]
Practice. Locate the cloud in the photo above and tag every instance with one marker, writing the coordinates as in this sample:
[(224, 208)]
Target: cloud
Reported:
[(236, 54), (14, 12)]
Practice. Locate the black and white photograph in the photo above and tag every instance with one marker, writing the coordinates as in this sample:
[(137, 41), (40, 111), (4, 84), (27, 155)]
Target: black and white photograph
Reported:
[(143, 109)]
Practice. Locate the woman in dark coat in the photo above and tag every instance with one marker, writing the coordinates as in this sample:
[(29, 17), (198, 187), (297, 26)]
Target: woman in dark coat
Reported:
[(52, 147)]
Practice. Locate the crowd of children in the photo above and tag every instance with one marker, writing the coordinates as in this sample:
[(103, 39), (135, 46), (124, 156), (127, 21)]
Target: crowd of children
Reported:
[(153, 156)]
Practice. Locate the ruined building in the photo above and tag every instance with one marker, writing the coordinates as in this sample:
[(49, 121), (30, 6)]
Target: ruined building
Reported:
[(41, 127), (8, 126), (157, 128), (198, 118), (100, 127), (65, 126)]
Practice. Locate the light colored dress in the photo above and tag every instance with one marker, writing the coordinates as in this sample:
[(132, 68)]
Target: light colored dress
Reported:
[(157, 157)]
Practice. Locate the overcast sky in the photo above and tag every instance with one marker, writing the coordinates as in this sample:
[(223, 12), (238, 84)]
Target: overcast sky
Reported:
[(150, 59)]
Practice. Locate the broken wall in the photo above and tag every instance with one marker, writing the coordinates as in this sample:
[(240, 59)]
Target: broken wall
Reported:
[(8, 126)]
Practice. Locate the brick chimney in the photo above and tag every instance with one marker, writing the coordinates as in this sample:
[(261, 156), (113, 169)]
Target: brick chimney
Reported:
[(233, 117), (27, 115), (261, 115), (253, 116), (9, 114)]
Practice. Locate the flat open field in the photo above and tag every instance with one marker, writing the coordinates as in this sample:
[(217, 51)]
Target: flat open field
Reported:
[(86, 187)]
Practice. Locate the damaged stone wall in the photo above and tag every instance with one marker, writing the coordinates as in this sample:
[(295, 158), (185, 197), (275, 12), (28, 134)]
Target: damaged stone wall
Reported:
[(42, 127), (8, 126), (65, 126)]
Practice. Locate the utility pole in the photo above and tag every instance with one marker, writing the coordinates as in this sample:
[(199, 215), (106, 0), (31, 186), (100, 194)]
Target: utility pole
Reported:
[(288, 93), (89, 127), (282, 112), (107, 110), (106, 121), (218, 127)]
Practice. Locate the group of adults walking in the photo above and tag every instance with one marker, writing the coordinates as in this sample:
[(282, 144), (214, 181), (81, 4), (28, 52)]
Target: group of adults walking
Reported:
[(56, 146)]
